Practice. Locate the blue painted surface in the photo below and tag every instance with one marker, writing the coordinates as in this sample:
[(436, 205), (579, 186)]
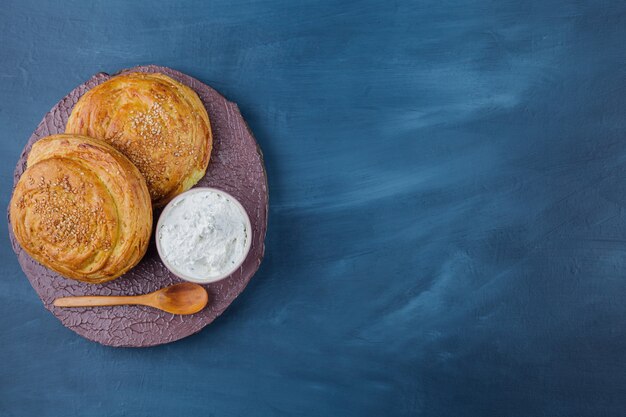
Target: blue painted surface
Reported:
[(447, 226)]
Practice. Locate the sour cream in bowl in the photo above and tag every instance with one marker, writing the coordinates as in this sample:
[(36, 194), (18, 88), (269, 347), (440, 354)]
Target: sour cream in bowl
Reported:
[(203, 235)]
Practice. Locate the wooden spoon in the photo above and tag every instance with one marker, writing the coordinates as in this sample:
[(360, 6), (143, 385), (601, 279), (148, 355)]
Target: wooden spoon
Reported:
[(185, 298)]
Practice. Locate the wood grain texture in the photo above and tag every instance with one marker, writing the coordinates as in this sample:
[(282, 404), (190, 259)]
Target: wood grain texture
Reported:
[(236, 167)]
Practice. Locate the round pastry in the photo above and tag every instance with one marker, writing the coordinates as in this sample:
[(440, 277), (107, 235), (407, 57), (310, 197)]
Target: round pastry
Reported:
[(81, 208), (158, 123)]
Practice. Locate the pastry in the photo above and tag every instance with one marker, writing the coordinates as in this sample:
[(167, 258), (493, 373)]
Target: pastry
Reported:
[(81, 208), (158, 123)]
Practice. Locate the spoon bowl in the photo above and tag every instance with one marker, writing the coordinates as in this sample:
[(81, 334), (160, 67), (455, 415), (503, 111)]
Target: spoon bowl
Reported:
[(183, 298)]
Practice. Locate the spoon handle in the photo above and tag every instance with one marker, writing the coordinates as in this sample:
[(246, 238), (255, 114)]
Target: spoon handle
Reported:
[(91, 301)]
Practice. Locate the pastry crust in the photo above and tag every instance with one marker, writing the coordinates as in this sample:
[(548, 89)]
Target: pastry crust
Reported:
[(81, 208), (158, 123)]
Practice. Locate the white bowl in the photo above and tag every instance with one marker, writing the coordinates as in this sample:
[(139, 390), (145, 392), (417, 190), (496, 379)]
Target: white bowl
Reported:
[(226, 273)]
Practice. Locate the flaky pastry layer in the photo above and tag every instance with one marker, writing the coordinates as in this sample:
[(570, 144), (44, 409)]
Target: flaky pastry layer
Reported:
[(158, 123), (81, 208)]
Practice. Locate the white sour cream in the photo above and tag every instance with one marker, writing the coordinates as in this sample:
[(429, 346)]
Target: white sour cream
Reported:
[(203, 235)]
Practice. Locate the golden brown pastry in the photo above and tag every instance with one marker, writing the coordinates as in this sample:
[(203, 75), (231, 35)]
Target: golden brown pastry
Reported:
[(81, 208), (158, 123)]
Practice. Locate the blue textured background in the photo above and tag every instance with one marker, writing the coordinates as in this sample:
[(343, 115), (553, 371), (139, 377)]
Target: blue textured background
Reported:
[(448, 208)]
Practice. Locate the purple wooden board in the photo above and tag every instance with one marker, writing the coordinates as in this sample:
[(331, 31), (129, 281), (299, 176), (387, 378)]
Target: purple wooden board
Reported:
[(236, 166)]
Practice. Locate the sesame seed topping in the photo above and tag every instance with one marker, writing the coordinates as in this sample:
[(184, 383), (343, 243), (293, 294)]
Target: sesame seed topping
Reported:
[(65, 217)]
